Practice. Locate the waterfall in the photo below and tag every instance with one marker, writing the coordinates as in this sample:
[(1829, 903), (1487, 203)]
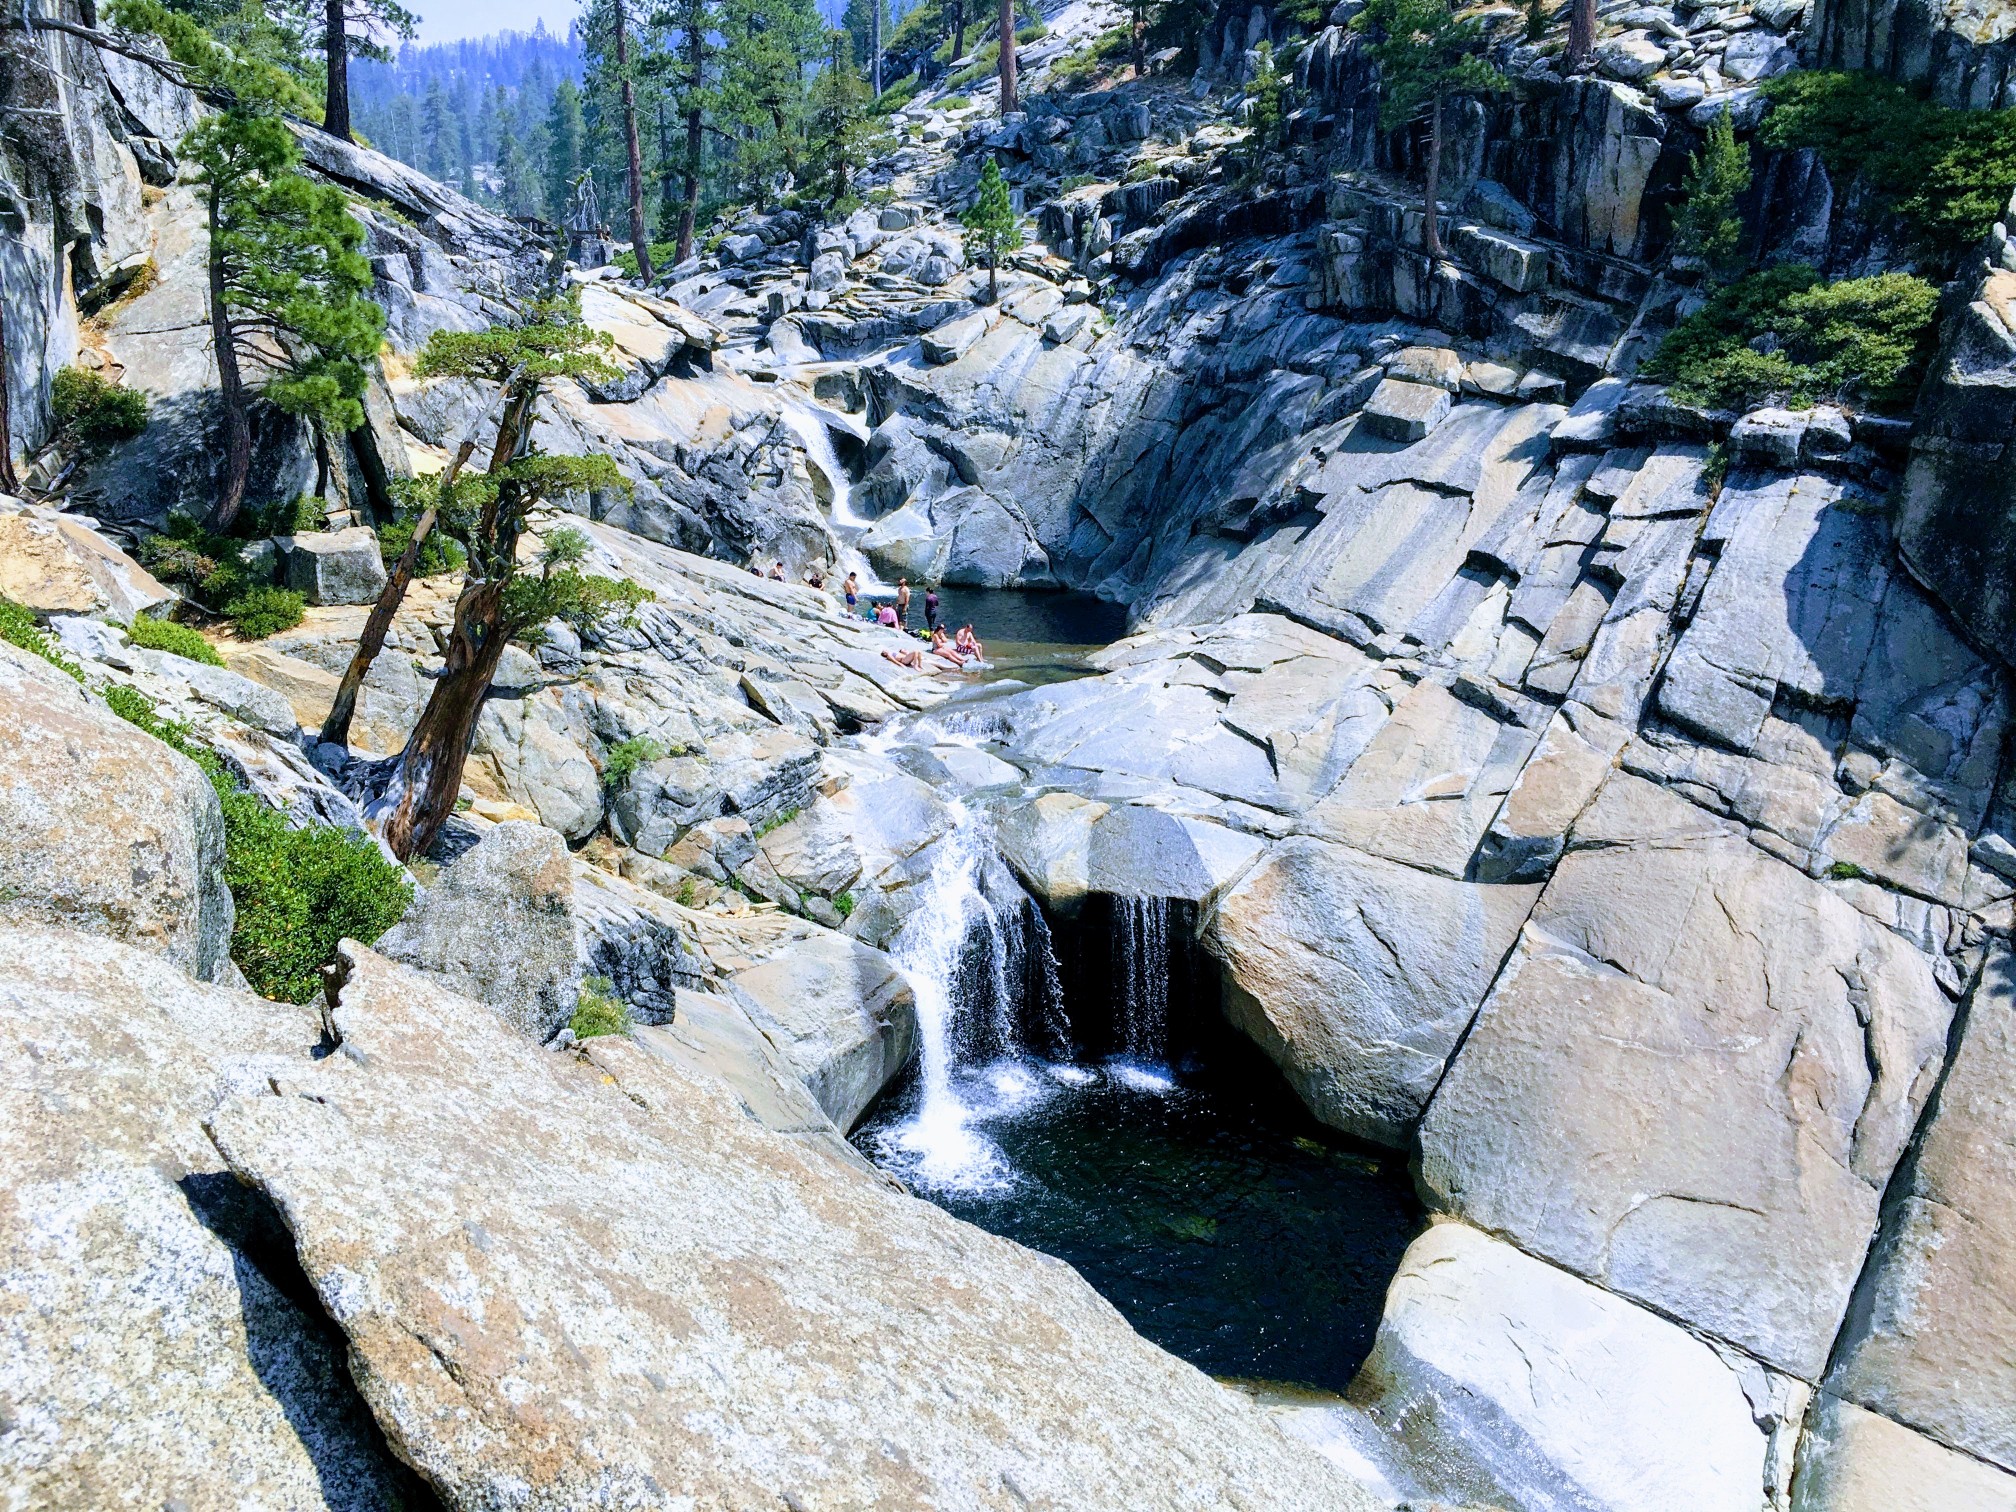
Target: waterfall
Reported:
[(966, 949), (1141, 975), (809, 424)]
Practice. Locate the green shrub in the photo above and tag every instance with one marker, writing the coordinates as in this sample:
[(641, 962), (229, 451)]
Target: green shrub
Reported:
[(1083, 65), (1946, 173), (1705, 224), (896, 96), (1863, 340), (94, 411), (661, 257), (176, 640), (439, 553), (1847, 871), (281, 517), (982, 65), (1035, 31), (955, 102), (259, 612), (843, 905), (777, 820), (298, 891), (599, 1010), (19, 627), (626, 756)]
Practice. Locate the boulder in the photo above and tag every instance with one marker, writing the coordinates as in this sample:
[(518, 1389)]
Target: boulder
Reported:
[(498, 925), (1935, 1345), (608, 1278), (54, 563), (1630, 57), (1438, 366), (1358, 975), (1505, 1382), (952, 340), (842, 1014), (336, 566), (1692, 1079), (1852, 1460), (158, 1345), (1768, 438), (1403, 411), (107, 830)]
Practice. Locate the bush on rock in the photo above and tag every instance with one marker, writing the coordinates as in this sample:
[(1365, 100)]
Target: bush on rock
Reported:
[(177, 640)]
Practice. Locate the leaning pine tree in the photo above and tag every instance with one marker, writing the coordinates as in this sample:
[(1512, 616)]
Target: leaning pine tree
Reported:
[(504, 595), (992, 222), (1425, 55)]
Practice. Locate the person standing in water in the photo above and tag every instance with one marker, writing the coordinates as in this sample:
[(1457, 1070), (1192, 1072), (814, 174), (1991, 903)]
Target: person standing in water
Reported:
[(903, 603), (930, 607), (852, 591)]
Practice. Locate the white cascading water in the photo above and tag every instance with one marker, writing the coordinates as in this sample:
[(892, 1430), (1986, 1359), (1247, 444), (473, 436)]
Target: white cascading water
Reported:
[(936, 1146), (811, 429), (1141, 974)]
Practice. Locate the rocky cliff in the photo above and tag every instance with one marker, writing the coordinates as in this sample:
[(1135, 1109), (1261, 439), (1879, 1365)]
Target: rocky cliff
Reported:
[(1601, 799)]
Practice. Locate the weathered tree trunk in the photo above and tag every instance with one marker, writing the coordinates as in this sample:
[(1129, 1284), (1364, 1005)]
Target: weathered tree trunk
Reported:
[(1138, 33), (1008, 100), (875, 45), (231, 390), (958, 29), (336, 52), (668, 198), (1431, 232), (1581, 32), (336, 728), (429, 775), (638, 240), (696, 76)]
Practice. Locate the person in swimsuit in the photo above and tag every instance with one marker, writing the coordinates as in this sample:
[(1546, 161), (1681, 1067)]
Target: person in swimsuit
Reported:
[(777, 572), (969, 643), (852, 590), (942, 647), (815, 578), (903, 603), (931, 608)]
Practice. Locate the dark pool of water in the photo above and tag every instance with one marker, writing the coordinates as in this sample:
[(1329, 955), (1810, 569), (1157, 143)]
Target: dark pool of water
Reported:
[(1202, 1201), (1013, 620)]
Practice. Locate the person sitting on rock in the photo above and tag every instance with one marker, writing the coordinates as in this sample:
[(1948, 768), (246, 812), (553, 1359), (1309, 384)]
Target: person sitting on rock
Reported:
[(815, 578), (942, 647), (969, 643), (886, 616), (777, 572)]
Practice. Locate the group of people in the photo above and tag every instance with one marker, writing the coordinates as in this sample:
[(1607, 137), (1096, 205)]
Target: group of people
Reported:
[(956, 651)]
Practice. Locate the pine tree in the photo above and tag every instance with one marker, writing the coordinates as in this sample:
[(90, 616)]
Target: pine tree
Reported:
[(437, 137), (992, 222), (1425, 54), (769, 44), (1706, 225), (287, 276), (611, 34), (502, 597), (564, 141), (698, 22), (1264, 115), (355, 29), (867, 23), (840, 128)]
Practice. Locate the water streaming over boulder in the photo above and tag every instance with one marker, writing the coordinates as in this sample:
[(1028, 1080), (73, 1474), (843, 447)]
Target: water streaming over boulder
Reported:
[(1141, 967)]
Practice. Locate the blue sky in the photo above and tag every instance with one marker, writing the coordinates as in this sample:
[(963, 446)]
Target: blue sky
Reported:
[(446, 20)]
